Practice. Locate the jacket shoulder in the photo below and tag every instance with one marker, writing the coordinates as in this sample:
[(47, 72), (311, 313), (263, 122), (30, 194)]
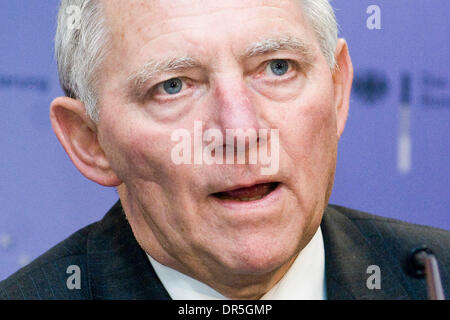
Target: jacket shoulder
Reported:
[(47, 276), (404, 231), (395, 236), (355, 240)]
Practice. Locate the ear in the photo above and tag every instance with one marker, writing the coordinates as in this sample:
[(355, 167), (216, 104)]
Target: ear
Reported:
[(77, 134), (342, 78)]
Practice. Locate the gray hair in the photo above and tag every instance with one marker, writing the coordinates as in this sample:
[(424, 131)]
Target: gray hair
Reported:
[(321, 16), (81, 44)]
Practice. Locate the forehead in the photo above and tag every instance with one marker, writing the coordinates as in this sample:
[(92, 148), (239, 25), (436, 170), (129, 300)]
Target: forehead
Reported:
[(198, 27), (121, 13)]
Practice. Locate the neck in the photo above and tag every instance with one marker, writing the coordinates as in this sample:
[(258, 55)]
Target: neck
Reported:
[(237, 287), (249, 287)]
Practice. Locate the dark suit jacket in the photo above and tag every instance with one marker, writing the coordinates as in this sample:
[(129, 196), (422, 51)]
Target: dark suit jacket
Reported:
[(113, 265)]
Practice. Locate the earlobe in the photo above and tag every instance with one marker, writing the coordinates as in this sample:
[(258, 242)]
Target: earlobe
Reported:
[(77, 134), (343, 78)]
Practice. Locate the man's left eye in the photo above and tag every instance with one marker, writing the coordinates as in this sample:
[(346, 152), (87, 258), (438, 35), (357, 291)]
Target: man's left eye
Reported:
[(278, 67)]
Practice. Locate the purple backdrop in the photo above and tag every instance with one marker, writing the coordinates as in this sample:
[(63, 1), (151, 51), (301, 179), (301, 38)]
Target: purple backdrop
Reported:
[(44, 198)]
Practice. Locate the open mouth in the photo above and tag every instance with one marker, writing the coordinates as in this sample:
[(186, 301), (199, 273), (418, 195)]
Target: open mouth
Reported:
[(246, 194)]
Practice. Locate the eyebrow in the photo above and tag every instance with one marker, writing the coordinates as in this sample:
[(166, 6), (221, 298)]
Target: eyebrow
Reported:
[(152, 68), (283, 43)]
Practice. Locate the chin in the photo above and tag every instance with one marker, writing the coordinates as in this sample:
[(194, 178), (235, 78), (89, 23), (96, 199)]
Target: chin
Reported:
[(261, 257)]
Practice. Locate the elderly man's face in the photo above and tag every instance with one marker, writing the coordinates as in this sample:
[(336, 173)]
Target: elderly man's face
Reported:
[(184, 215)]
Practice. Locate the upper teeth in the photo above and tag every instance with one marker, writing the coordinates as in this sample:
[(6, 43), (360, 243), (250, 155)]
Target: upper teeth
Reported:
[(250, 199)]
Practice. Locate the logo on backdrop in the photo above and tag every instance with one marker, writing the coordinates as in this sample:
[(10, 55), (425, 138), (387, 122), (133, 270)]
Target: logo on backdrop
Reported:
[(435, 91), (36, 83), (370, 86)]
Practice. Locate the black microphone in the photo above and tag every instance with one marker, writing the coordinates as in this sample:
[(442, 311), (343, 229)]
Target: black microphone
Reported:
[(422, 262)]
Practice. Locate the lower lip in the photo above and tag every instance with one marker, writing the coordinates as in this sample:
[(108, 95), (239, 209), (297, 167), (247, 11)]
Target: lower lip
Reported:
[(266, 201)]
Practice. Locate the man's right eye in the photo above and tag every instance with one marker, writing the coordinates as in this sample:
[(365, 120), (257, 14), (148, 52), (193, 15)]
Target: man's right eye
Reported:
[(172, 86), (171, 90)]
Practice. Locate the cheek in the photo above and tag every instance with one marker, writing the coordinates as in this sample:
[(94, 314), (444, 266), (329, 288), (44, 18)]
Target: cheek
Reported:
[(142, 159), (135, 152), (311, 121), (310, 144)]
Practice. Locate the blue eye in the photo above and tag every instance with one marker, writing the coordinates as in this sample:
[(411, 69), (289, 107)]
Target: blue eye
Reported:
[(173, 86), (279, 67)]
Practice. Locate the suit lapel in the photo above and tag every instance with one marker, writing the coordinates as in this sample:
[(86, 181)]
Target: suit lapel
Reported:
[(348, 254), (118, 267)]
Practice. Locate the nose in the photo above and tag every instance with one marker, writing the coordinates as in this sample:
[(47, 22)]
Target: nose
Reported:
[(238, 120), (235, 108)]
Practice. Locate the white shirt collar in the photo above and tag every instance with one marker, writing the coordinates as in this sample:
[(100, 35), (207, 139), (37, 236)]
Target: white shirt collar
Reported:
[(305, 279)]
